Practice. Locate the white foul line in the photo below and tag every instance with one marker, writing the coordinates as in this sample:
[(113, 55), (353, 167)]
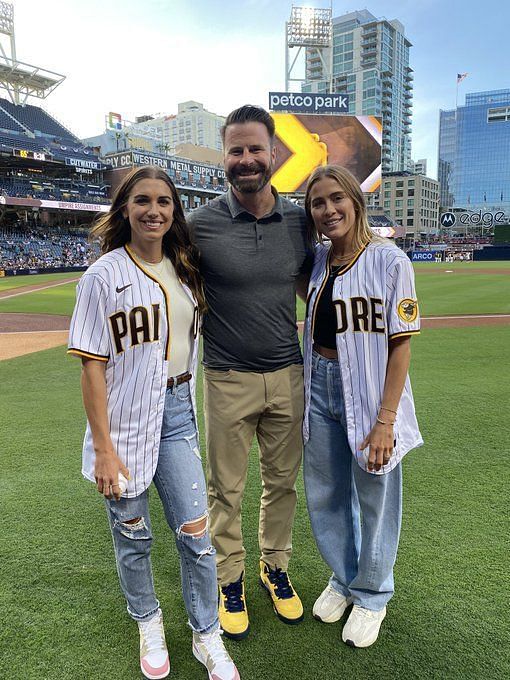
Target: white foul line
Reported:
[(36, 290), (468, 316), (64, 330)]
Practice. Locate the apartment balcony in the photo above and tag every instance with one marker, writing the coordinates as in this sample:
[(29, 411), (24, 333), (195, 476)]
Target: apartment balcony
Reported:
[(370, 30), (367, 51)]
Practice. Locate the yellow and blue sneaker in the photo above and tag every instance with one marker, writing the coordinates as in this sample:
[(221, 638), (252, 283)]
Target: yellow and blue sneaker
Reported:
[(232, 610), (286, 602)]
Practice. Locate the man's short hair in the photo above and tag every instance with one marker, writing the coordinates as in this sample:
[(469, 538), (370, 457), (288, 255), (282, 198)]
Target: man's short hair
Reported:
[(249, 113)]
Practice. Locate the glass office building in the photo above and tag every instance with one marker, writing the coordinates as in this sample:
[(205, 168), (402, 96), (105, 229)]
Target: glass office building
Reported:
[(370, 63), (474, 153)]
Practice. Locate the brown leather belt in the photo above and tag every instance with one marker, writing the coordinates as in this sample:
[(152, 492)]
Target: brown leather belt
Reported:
[(178, 380), (325, 352)]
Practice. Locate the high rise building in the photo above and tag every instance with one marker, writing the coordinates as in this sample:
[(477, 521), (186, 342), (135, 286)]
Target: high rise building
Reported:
[(413, 201), (474, 152), (370, 63), (419, 167), (191, 125)]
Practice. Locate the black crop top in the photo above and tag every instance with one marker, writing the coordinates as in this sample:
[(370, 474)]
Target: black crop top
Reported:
[(324, 331)]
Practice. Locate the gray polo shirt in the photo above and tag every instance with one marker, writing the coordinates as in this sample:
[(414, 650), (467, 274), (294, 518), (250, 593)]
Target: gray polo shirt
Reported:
[(250, 267)]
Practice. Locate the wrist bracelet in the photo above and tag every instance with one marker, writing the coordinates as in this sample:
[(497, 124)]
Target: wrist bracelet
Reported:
[(383, 408), (383, 422)]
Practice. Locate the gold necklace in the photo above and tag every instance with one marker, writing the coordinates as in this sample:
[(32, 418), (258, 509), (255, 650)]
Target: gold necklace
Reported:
[(341, 258)]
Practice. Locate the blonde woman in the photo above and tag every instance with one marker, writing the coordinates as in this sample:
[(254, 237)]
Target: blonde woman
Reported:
[(359, 412)]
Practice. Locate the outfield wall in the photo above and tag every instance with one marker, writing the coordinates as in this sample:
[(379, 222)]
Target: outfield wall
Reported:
[(492, 253), (41, 270)]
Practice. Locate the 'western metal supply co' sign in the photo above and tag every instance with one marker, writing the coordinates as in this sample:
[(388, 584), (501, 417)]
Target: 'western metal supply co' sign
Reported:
[(301, 102)]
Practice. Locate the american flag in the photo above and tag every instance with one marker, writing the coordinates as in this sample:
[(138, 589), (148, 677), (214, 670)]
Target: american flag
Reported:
[(461, 76)]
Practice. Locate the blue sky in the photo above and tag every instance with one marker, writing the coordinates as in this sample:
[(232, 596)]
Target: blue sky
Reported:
[(145, 57)]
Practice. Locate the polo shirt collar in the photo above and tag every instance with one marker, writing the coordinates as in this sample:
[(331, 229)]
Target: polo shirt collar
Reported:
[(237, 209)]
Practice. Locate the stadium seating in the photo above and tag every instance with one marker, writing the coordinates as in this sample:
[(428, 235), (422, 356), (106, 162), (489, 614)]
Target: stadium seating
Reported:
[(45, 134), (31, 249), (7, 123), (60, 190), (37, 120)]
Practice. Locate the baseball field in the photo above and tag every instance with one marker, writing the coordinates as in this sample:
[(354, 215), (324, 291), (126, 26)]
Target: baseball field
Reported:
[(63, 613)]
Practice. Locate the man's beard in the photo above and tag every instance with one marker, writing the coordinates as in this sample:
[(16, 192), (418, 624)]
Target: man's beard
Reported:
[(249, 186)]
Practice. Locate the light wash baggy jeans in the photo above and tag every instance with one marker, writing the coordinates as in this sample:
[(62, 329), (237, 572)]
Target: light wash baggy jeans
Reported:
[(355, 515), (180, 482)]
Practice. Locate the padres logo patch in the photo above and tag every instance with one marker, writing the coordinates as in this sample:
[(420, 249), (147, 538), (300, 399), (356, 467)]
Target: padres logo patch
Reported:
[(407, 310)]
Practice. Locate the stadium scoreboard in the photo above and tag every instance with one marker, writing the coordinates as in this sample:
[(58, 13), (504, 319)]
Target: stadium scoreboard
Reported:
[(31, 155)]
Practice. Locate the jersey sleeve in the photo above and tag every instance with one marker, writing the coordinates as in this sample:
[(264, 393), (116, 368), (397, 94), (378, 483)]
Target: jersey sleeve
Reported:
[(402, 313), (88, 334)]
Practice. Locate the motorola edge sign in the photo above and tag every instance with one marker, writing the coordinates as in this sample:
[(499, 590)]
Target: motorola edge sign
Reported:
[(486, 219)]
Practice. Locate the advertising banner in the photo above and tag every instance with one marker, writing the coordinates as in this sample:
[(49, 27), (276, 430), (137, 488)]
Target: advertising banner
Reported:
[(61, 205), (135, 158), (425, 255), (304, 142), (83, 163)]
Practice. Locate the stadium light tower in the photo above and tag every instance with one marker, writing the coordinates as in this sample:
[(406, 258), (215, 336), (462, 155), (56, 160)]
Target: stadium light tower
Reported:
[(19, 79), (309, 27)]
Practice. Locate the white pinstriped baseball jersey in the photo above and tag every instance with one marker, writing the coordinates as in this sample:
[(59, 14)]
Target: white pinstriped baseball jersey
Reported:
[(375, 300), (121, 318)]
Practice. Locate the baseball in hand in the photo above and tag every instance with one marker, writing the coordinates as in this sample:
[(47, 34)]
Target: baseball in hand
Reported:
[(123, 483)]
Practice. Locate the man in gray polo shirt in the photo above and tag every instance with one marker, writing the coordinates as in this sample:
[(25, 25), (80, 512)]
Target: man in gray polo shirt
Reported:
[(254, 255)]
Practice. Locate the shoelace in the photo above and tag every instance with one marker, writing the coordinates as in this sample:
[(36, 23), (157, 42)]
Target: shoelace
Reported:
[(283, 590), (364, 613), (233, 594), (152, 636), (214, 645)]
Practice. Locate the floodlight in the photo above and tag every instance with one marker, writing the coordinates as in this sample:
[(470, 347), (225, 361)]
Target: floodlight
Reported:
[(309, 27)]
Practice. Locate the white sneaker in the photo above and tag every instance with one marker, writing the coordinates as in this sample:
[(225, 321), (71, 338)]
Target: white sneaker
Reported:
[(329, 606), (362, 627), (208, 648), (154, 660)]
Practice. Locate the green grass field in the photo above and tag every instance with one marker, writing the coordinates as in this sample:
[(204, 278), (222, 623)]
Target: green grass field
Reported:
[(463, 291), (11, 282), (64, 616)]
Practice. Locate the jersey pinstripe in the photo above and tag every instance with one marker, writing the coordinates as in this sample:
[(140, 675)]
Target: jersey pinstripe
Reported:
[(375, 300), (121, 317)]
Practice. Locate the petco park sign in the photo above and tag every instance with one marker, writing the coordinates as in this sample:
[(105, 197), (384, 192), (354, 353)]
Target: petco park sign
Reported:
[(296, 102), (487, 219)]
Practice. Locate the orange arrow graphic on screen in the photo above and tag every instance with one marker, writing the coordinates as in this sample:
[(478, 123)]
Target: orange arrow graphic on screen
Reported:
[(308, 152)]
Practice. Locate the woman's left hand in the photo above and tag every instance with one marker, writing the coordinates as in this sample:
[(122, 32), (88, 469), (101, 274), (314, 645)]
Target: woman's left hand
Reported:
[(381, 441)]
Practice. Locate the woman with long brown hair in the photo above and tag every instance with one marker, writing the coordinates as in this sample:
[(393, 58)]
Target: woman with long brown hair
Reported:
[(135, 327)]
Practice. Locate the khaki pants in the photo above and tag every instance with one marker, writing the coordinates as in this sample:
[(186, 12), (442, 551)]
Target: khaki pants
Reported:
[(239, 405)]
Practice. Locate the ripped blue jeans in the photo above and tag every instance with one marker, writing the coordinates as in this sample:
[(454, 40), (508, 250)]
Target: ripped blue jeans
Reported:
[(180, 482)]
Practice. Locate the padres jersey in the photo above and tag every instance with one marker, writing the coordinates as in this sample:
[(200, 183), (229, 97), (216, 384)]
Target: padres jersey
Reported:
[(121, 317), (375, 301)]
